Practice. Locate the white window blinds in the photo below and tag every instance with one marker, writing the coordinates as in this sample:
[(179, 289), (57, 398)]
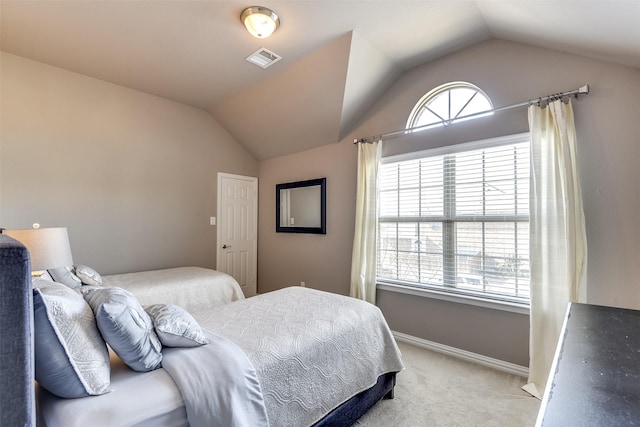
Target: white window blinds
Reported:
[(457, 219)]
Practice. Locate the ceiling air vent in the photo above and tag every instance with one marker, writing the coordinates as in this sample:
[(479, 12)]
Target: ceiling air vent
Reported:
[(263, 58)]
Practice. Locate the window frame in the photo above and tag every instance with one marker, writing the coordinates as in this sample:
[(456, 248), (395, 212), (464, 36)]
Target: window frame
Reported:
[(442, 292), (421, 106)]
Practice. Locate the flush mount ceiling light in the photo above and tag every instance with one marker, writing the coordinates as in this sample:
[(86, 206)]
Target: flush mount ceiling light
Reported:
[(260, 21)]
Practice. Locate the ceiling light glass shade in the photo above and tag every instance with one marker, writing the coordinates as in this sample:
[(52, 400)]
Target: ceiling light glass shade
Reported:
[(48, 247), (260, 21)]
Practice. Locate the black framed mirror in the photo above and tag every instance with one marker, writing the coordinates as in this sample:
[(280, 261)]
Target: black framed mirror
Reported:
[(301, 207)]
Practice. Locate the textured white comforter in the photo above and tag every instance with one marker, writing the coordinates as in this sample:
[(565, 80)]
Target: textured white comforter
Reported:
[(311, 350), (192, 288)]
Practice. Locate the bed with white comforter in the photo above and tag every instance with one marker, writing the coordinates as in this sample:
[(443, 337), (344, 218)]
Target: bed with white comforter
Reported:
[(193, 287), (309, 351)]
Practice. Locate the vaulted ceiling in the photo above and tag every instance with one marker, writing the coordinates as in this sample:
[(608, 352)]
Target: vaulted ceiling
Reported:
[(338, 56)]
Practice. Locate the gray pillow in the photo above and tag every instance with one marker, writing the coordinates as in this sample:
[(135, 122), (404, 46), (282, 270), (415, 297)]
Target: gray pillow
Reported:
[(175, 326), (71, 358), (88, 276), (126, 327), (65, 276)]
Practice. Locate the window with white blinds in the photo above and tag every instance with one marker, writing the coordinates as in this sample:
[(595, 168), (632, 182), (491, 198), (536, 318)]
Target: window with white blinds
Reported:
[(457, 219)]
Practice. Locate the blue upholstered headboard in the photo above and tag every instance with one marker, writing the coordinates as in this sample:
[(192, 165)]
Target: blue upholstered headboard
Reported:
[(17, 395)]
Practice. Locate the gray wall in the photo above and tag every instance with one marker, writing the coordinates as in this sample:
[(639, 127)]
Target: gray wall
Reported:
[(132, 176), (609, 150)]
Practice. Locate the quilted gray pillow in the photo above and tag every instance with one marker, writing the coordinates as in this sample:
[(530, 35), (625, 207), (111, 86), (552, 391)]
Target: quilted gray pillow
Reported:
[(65, 276), (71, 358), (175, 326), (126, 327), (88, 276)]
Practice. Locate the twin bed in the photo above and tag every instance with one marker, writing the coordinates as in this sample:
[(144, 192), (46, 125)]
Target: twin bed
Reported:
[(292, 357)]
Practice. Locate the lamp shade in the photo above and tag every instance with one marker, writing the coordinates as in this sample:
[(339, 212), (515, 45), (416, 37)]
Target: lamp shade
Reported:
[(48, 247), (260, 21)]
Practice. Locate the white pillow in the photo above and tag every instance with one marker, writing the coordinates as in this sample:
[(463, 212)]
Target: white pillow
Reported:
[(175, 326), (88, 276), (71, 358), (44, 276)]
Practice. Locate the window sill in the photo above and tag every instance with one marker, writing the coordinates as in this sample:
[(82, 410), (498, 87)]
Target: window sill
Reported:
[(460, 299)]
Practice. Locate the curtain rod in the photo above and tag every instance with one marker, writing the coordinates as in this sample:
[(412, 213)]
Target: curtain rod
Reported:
[(584, 90)]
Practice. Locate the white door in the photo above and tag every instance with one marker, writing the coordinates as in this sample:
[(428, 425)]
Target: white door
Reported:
[(238, 229)]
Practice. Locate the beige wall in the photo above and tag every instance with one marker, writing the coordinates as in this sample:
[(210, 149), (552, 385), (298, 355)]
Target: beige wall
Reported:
[(609, 150), (319, 260), (131, 175)]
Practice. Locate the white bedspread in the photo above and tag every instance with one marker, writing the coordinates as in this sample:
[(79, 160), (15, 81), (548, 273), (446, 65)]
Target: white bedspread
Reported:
[(312, 350), (218, 384), (192, 288)]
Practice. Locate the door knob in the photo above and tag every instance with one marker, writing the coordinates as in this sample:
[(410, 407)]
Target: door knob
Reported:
[(225, 246)]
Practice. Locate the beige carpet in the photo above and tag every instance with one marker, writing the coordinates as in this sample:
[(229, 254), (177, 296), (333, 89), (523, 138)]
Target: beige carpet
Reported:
[(439, 390)]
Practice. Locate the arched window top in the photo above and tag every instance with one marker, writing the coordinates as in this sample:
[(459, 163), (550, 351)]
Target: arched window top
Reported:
[(449, 103)]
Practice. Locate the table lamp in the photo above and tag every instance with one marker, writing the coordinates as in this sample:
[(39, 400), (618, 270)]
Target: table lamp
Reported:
[(48, 247)]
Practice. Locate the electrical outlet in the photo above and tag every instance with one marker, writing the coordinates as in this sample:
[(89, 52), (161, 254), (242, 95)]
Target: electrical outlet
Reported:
[(212, 220), (302, 284)]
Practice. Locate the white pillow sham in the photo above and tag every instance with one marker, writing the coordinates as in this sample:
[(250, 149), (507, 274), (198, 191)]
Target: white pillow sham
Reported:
[(71, 358), (175, 326), (88, 276)]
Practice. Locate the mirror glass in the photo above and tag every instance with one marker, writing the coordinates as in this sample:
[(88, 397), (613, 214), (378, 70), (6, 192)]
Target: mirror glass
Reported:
[(300, 207)]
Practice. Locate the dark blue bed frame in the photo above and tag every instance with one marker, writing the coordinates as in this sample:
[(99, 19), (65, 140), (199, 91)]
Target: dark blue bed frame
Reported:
[(350, 411)]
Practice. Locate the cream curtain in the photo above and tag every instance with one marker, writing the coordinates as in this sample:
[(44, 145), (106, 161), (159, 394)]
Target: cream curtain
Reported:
[(558, 243), (363, 259)]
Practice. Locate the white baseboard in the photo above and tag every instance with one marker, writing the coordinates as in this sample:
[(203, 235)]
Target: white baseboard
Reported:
[(490, 362)]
